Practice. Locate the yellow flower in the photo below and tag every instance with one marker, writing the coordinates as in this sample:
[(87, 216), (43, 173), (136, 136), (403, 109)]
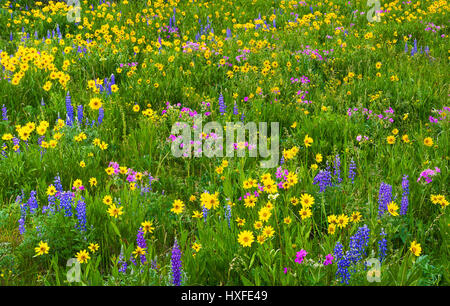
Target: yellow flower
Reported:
[(246, 238), (115, 211), (305, 213), (405, 138), (42, 249), (78, 183), (308, 141), (51, 190), (107, 199), (331, 229), (95, 103), (83, 256), (82, 164), (415, 248), (147, 226), (93, 247), (93, 181), (177, 207), (287, 220), (197, 214), (395, 131), (268, 231), (342, 221), (264, 214), (355, 217), (196, 246), (428, 141), (138, 252), (319, 158), (306, 200), (392, 208), (109, 170), (390, 139)]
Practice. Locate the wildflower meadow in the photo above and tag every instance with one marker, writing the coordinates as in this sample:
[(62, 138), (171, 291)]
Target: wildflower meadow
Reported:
[(224, 143)]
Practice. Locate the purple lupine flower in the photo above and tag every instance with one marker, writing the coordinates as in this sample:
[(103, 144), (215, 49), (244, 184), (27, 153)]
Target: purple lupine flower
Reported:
[(382, 246), (57, 184), (69, 110), (404, 204), (205, 212), (123, 264), (141, 243), (358, 244), (384, 198), (351, 171), (176, 264), (228, 214), (23, 213), (101, 114), (342, 262), (32, 202), (65, 202), (235, 109), (323, 179), (337, 168), (81, 215), (222, 105), (4, 113), (80, 114)]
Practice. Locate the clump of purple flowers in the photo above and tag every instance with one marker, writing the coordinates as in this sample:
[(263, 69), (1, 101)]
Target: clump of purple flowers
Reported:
[(384, 198), (328, 260), (404, 204), (176, 264), (351, 171), (141, 243), (300, 256), (382, 246), (323, 179), (337, 168), (222, 105), (428, 174)]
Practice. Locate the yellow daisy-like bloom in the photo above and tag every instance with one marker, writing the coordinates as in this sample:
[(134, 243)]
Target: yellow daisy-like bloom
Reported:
[(109, 170), (261, 238), (147, 226), (392, 208), (197, 214), (51, 190), (405, 138), (83, 256), (78, 183), (42, 248), (93, 181), (306, 200), (355, 217), (305, 213), (428, 141), (258, 225), (115, 211), (240, 222), (264, 214), (93, 247), (342, 221), (95, 103), (287, 220), (196, 247), (390, 139), (107, 199), (332, 229), (139, 252), (319, 158), (268, 231), (294, 201), (177, 207), (415, 248), (308, 141), (246, 238), (332, 219)]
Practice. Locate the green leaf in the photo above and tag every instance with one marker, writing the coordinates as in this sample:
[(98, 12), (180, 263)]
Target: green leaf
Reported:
[(115, 229)]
